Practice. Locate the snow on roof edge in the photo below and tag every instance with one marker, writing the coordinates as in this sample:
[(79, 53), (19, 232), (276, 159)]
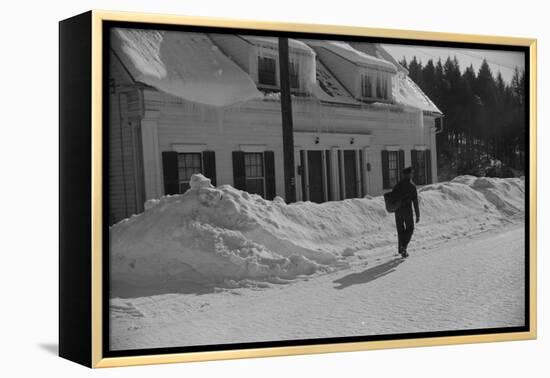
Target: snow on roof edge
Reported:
[(293, 44), (345, 51), (186, 65)]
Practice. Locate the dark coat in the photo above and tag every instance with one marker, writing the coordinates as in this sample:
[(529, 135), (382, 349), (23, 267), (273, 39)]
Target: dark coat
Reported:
[(405, 190)]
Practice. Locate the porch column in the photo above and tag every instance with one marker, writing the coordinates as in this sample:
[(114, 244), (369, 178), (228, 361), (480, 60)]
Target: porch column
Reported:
[(342, 171), (358, 175), (366, 173), (325, 178), (334, 169)]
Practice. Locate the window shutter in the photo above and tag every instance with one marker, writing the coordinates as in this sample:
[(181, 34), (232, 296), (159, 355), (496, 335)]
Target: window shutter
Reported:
[(428, 167), (269, 163), (209, 165), (385, 170), (401, 163), (239, 174), (170, 172), (414, 163)]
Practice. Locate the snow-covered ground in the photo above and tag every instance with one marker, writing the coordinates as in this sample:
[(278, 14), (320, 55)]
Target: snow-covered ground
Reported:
[(217, 265)]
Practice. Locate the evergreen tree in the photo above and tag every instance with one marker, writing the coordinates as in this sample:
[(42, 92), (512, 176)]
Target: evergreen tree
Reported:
[(415, 71), (484, 116), (403, 62)]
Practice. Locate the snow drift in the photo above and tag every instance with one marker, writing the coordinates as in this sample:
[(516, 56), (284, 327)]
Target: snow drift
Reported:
[(218, 235)]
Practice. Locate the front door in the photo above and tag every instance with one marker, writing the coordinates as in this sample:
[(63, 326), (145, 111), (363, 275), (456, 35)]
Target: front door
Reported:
[(350, 173), (315, 176)]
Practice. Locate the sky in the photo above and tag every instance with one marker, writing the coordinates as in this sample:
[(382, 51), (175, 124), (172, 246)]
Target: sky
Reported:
[(503, 61)]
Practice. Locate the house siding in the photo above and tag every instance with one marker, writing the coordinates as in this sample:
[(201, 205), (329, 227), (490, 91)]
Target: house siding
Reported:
[(222, 131), (125, 195), (259, 123), (387, 126)]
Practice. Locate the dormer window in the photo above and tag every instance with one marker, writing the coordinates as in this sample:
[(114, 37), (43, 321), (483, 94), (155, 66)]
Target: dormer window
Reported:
[(382, 88), (366, 86), (375, 86), (267, 71)]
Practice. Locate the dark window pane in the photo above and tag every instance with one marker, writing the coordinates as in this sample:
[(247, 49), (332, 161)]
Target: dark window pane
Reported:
[(254, 172), (255, 186), (382, 88), (366, 85), (254, 164), (184, 186), (421, 167), (393, 167), (188, 164), (266, 71)]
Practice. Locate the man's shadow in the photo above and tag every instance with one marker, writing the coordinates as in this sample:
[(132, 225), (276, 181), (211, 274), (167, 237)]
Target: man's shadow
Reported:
[(368, 275)]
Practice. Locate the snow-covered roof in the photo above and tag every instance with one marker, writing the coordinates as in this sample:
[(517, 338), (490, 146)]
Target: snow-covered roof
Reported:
[(190, 66), (359, 58), (272, 42), (407, 93), (377, 51), (187, 65), (329, 89)]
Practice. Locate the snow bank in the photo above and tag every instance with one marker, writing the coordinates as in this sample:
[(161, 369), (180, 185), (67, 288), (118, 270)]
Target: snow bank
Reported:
[(211, 235)]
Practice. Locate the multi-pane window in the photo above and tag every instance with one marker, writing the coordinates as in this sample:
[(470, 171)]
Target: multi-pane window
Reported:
[(420, 167), (294, 81), (266, 71), (188, 164), (366, 86), (254, 172), (381, 88), (393, 168)]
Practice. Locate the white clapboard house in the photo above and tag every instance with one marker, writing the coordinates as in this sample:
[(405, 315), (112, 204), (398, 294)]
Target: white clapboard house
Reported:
[(182, 103)]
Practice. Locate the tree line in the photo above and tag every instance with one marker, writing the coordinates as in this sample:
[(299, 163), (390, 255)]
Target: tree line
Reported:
[(484, 123)]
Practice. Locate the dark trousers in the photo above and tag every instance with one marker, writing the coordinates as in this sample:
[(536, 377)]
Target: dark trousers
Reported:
[(405, 226)]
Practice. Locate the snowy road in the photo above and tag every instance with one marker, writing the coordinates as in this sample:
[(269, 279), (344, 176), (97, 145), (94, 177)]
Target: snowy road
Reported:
[(474, 282)]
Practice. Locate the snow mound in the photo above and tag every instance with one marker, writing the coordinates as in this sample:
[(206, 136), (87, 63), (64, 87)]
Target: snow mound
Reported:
[(214, 235), (507, 195)]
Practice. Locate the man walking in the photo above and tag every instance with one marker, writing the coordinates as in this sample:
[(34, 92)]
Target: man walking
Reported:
[(405, 192)]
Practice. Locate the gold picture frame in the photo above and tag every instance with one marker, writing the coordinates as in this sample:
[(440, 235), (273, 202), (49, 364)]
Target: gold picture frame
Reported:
[(93, 263)]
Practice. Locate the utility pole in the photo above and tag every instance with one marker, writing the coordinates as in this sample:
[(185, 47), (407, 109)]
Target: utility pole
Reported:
[(288, 129)]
